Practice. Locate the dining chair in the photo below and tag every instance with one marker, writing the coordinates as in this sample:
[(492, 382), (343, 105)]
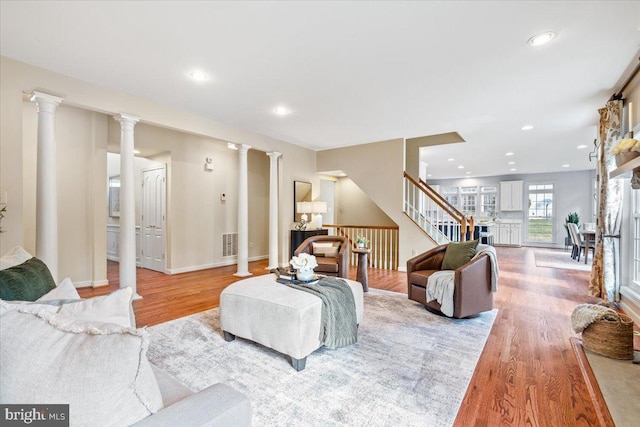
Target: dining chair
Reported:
[(575, 242), (580, 241)]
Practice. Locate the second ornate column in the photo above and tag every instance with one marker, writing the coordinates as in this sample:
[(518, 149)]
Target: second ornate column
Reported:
[(127, 250)]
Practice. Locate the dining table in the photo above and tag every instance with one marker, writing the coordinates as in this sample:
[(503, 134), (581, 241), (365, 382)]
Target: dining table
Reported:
[(587, 237)]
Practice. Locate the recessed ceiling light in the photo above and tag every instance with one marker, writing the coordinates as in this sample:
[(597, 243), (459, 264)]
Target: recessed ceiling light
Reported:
[(580, 147), (526, 127), (513, 169), (281, 111), (460, 167), (542, 38), (511, 163), (566, 165), (198, 75), (451, 159), (509, 153)]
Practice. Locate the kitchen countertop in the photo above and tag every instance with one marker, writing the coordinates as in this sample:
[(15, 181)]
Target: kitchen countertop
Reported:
[(499, 221)]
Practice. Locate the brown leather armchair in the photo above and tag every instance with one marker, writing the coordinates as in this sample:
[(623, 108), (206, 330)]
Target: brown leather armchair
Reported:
[(329, 265), (472, 293)]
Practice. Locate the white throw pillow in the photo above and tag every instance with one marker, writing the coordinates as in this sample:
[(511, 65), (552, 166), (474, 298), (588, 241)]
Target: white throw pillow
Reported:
[(100, 370), (65, 290), (112, 308), (15, 256)]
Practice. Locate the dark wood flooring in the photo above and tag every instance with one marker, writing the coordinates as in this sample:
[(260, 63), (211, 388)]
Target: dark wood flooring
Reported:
[(527, 375)]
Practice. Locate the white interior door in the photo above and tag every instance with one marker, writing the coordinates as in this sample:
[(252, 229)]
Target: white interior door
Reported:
[(154, 206)]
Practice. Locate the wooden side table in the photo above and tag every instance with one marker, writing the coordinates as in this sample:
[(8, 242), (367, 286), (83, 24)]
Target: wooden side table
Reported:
[(361, 275)]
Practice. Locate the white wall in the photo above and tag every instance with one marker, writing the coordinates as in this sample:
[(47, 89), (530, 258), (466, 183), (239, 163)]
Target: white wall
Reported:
[(573, 192), (381, 178), (355, 207), (197, 217), (18, 78), (81, 143)]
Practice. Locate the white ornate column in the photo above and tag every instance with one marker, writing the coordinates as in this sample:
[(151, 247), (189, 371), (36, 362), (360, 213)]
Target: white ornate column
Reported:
[(127, 250), (46, 190), (273, 209), (243, 213)]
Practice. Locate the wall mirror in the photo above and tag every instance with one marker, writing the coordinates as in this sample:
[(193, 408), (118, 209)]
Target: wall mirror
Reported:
[(301, 193), (114, 196)]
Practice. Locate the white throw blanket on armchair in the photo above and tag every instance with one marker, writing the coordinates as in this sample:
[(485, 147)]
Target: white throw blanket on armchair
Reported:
[(440, 284)]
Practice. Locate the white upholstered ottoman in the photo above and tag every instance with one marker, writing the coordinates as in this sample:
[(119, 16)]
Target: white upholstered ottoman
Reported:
[(276, 316)]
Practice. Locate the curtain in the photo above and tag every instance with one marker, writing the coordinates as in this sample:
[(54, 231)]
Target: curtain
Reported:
[(605, 280)]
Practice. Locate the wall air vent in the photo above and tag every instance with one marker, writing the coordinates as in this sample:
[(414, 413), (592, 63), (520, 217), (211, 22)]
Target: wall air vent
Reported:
[(229, 244)]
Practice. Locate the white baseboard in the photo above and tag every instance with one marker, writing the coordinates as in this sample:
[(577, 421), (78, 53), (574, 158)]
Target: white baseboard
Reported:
[(83, 284), (91, 284), (230, 261)]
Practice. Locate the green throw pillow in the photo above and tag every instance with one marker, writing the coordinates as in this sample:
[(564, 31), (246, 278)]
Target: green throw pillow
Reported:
[(26, 282), (458, 254)]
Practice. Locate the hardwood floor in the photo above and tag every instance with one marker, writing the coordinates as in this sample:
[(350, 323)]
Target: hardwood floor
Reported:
[(527, 374)]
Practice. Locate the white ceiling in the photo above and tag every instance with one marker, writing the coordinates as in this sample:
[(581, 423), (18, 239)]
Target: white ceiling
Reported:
[(355, 72)]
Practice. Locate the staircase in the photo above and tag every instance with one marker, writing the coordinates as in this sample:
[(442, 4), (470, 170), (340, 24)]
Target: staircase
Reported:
[(440, 220)]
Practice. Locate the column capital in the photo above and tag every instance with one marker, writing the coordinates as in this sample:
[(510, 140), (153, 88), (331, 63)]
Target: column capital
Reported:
[(126, 118), (243, 147), (44, 101), (274, 154)]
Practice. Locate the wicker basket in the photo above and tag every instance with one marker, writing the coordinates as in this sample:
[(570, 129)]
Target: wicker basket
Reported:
[(610, 336)]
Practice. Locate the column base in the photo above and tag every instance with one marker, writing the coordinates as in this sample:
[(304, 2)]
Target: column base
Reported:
[(242, 274)]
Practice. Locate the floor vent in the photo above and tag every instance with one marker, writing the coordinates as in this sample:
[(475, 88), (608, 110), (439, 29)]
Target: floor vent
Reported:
[(229, 244)]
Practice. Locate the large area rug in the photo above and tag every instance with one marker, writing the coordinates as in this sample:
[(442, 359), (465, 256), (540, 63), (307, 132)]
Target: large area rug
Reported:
[(409, 367), (558, 258)]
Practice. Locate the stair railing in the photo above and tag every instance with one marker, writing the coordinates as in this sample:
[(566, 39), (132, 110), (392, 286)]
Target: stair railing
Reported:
[(383, 242), (442, 221)]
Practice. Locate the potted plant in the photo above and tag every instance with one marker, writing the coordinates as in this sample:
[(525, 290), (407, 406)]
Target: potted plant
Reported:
[(573, 218), (625, 150), (361, 241)]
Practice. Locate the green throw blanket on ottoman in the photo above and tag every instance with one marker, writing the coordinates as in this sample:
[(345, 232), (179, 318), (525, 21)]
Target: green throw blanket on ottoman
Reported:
[(338, 327)]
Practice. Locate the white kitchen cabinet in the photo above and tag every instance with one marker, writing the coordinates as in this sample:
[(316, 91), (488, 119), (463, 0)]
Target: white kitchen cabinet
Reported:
[(507, 234), (511, 195)]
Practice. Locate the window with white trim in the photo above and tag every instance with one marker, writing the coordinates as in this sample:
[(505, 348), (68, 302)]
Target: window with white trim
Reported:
[(540, 217)]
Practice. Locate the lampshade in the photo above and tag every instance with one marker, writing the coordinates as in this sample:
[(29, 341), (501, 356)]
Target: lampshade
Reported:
[(319, 207), (304, 207)]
